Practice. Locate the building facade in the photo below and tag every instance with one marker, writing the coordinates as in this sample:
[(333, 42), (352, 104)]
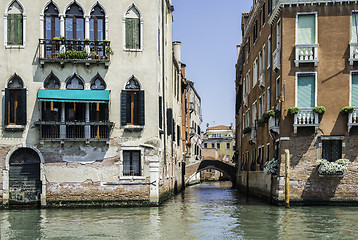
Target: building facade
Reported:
[(297, 57), (90, 109)]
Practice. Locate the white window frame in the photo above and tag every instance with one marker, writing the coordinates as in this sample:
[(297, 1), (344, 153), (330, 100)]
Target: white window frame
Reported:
[(296, 85), (254, 80), (141, 30), (254, 116), (278, 34), (276, 96), (268, 102), (23, 26), (353, 12), (269, 50), (260, 112), (132, 148), (316, 25), (263, 59), (267, 152)]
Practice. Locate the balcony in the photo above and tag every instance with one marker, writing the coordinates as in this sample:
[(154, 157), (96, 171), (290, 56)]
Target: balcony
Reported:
[(305, 118), (191, 106), (192, 131), (306, 53), (253, 134), (274, 124), (262, 80), (74, 51), (353, 53), (276, 59), (246, 100), (352, 119), (75, 131)]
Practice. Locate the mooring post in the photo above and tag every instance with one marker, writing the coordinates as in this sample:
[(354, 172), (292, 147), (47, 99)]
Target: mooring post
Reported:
[(287, 178)]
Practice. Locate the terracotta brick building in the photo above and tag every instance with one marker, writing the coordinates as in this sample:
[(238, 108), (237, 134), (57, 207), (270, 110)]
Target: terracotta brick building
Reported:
[(296, 56)]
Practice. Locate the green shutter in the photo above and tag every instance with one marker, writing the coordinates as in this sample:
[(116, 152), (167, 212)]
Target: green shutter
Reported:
[(129, 33), (10, 29), (136, 33), (354, 27), (306, 29), (160, 112), (169, 121), (354, 91), (306, 91), (18, 29), (6, 108), (123, 108), (141, 108)]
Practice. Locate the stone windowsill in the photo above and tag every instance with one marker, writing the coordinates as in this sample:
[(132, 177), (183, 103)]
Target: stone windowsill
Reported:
[(133, 128), (331, 175), (14, 128), (133, 178)]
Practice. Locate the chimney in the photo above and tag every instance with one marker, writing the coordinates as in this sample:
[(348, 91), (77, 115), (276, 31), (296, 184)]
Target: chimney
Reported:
[(177, 51)]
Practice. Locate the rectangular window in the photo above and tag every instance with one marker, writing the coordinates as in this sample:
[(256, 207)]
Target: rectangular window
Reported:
[(263, 60), (278, 87), (254, 113), (260, 107), (248, 83), (227, 145), (269, 7), (14, 29), (354, 28), (254, 73), (278, 35), (331, 150), (263, 103), (213, 145), (306, 29), (131, 163), (268, 99), (249, 45), (354, 90), (255, 32), (218, 145), (264, 14), (268, 152), (269, 52), (306, 91), (205, 145)]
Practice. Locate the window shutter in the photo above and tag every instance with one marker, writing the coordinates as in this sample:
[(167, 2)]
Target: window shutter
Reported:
[(136, 33), (354, 91), (129, 33), (161, 112), (306, 91), (354, 27), (6, 113), (10, 29), (306, 29), (18, 29), (106, 112), (141, 108), (22, 116), (169, 121), (123, 108)]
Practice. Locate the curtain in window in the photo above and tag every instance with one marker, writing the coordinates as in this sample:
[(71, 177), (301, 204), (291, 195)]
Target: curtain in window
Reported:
[(132, 33), (306, 91), (14, 29), (354, 91), (306, 29), (131, 163), (354, 27)]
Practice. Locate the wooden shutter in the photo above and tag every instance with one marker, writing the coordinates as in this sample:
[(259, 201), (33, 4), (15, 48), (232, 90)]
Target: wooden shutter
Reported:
[(169, 121), (6, 109), (18, 29), (22, 113), (160, 112), (136, 33), (141, 108), (129, 33), (10, 29), (123, 108)]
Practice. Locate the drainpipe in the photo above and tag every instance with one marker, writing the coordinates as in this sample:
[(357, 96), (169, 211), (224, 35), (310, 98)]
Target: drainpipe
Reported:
[(163, 87)]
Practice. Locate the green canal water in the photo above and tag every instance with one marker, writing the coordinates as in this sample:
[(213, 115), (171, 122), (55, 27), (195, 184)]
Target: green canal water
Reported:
[(206, 211)]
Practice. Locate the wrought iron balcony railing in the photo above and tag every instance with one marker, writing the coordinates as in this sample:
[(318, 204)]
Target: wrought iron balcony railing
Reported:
[(74, 130), (306, 118), (62, 51), (352, 119), (306, 53), (274, 124), (353, 52)]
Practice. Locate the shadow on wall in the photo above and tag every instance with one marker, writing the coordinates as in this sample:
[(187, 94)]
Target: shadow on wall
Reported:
[(305, 137)]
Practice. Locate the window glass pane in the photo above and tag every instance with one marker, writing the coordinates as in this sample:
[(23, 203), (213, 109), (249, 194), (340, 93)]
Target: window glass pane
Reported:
[(136, 163), (91, 29), (80, 29), (306, 29), (48, 28), (354, 27), (306, 91), (354, 91), (100, 30), (126, 163), (57, 27), (69, 28)]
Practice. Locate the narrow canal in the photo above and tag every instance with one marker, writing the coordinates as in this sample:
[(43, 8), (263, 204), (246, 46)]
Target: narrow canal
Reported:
[(206, 211)]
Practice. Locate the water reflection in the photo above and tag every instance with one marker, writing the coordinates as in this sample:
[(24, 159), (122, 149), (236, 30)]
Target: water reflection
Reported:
[(207, 211)]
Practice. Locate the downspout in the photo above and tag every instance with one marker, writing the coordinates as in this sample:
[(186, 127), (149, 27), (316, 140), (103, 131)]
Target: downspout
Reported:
[(163, 86)]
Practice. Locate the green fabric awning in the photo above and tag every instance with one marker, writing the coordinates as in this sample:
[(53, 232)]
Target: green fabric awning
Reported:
[(91, 96)]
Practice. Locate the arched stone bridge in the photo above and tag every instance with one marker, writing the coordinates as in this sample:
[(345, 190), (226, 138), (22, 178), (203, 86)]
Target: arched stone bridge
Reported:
[(192, 169)]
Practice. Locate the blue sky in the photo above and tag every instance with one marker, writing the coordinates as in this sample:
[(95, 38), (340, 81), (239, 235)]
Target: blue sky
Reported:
[(209, 31)]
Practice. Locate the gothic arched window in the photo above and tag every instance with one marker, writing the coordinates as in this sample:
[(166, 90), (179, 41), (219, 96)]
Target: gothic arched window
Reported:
[(15, 24), (132, 104), (133, 28), (74, 22), (15, 102)]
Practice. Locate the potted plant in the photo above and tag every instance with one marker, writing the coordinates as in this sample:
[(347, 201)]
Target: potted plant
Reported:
[(246, 130), (337, 168), (347, 109), (109, 51), (271, 167), (293, 110), (319, 109), (188, 144)]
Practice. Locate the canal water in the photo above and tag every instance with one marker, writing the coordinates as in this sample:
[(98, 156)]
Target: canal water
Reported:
[(205, 211)]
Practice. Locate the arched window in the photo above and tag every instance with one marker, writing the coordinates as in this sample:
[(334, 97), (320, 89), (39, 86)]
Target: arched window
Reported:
[(98, 83), (74, 22), (132, 104), (52, 82), (75, 82), (52, 21), (15, 24), (133, 28), (15, 102), (97, 24)]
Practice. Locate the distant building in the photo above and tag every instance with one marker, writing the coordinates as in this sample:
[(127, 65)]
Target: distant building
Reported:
[(296, 56)]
